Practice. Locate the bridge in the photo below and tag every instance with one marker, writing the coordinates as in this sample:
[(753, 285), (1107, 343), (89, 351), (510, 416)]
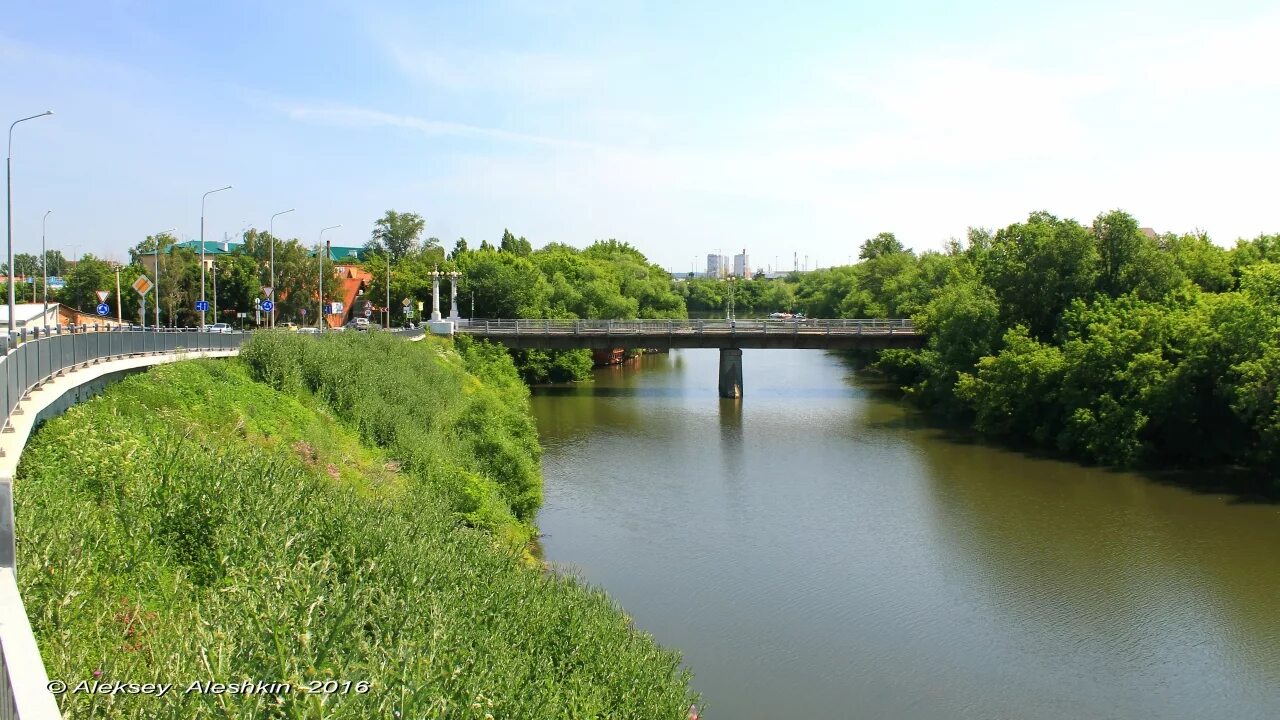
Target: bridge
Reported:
[(729, 336)]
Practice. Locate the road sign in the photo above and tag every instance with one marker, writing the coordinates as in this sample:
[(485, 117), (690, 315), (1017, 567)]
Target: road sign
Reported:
[(104, 309), (103, 295), (368, 312), (304, 312), (142, 285), (326, 309), (267, 305), (267, 290), (368, 305), (406, 302), (202, 305), (336, 308)]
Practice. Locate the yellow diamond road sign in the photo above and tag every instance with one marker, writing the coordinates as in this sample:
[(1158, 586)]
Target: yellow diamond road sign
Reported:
[(142, 285)]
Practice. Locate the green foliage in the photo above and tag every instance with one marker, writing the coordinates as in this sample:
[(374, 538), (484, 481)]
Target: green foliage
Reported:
[(883, 244), (190, 524), (90, 275), (416, 401), (1102, 343), (397, 233)]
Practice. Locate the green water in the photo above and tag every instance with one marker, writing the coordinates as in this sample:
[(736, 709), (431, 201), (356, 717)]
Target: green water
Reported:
[(818, 551)]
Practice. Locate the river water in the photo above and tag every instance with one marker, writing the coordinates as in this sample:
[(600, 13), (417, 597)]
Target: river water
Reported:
[(817, 550)]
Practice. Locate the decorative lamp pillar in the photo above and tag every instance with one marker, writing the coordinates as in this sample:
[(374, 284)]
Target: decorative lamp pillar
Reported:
[(435, 295), (453, 294)]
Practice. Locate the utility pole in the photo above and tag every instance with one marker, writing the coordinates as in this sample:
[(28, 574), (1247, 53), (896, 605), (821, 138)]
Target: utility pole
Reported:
[(119, 300), (321, 251), (202, 285), (271, 233)]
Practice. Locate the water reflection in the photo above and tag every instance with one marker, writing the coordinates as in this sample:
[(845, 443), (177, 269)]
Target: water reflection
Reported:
[(815, 548)]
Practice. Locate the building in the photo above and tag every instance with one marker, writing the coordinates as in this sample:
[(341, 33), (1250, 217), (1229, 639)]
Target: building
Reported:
[(717, 265), (30, 315), (213, 250), (742, 265)]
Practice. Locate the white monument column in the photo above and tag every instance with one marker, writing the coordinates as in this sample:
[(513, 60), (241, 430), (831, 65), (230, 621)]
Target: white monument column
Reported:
[(453, 295), (435, 296)]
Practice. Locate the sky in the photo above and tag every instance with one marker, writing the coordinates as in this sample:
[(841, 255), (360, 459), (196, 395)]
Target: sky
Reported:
[(684, 128)]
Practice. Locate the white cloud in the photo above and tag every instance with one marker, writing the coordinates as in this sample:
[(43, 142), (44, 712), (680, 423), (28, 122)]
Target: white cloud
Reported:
[(544, 76), (349, 116)]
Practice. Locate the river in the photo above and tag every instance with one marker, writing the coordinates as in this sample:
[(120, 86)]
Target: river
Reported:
[(817, 550)]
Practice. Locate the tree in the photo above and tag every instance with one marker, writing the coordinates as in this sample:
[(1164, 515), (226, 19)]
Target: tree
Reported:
[(1037, 268), (397, 232), (883, 244), (90, 275), (511, 244), (459, 248)]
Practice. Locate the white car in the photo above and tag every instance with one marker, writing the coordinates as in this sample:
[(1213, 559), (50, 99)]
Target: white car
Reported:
[(221, 328)]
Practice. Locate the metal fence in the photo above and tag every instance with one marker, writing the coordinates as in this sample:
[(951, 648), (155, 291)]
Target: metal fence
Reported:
[(28, 360), (688, 327), (40, 355)]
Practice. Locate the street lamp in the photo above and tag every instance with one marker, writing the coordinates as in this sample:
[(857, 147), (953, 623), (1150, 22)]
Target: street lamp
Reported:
[(8, 195), (44, 268), (157, 236), (271, 231), (202, 288), (320, 253)]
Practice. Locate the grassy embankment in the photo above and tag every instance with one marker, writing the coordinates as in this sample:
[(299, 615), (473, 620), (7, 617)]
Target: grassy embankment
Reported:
[(360, 514)]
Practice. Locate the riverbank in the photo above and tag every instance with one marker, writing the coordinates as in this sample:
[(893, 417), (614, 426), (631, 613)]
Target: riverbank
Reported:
[(352, 509)]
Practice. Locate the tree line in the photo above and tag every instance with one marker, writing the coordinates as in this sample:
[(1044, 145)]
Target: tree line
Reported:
[(1100, 342)]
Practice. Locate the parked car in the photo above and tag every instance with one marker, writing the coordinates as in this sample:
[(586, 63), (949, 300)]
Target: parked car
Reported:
[(309, 330), (221, 328), (358, 323), (290, 326)]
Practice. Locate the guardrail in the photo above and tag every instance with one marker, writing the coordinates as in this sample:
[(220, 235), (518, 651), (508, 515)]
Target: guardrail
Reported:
[(40, 355), (688, 327), (28, 360)]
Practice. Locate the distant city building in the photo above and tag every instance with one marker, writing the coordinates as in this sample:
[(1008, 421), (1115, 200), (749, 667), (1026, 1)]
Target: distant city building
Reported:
[(717, 265), (742, 264)]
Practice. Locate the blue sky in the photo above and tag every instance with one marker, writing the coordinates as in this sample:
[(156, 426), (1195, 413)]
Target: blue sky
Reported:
[(682, 128)]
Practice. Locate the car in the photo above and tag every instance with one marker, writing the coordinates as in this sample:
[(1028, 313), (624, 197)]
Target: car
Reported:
[(309, 330), (220, 328), (358, 323), (289, 326)]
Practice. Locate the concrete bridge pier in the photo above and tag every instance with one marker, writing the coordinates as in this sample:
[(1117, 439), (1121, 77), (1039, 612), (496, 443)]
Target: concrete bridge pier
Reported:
[(730, 372)]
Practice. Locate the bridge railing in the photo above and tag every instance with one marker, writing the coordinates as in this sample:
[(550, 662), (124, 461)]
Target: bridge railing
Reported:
[(28, 360), (688, 327)]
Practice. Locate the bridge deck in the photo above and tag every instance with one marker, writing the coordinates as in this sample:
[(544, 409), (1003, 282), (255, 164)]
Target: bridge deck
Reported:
[(668, 334)]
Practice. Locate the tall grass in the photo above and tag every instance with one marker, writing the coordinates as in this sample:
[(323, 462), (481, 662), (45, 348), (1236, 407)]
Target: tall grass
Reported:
[(473, 443), (192, 524)]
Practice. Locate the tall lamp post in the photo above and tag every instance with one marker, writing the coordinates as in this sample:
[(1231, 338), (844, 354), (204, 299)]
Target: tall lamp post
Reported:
[(320, 253), (271, 231), (8, 195), (388, 311), (44, 267), (157, 236), (202, 287)]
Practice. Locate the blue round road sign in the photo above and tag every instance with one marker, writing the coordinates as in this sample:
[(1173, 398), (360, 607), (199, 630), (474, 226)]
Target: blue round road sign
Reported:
[(267, 305), (103, 308)]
